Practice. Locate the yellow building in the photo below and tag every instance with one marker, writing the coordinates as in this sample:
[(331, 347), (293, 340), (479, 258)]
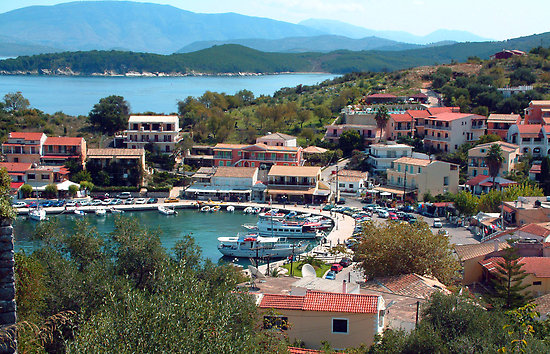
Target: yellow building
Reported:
[(344, 320), (420, 176), (470, 257), (536, 268), (476, 158)]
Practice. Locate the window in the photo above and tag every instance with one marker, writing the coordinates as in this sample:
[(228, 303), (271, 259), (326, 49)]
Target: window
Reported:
[(31, 176), (537, 283), (419, 169), (221, 163), (45, 177), (351, 185), (446, 181), (339, 325)]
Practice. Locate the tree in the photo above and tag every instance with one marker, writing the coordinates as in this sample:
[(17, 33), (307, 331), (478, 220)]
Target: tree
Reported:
[(110, 114), (544, 175), (397, 248), (493, 160), (507, 281), (466, 203), (50, 190), (6, 210), (488, 138), (73, 190), (26, 189), (15, 102), (350, 140), (382, 116)]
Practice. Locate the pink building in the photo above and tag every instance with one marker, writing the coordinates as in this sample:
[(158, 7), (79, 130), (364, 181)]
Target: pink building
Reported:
[(538, 112), (256, 155), (24, 147), (399, 125)]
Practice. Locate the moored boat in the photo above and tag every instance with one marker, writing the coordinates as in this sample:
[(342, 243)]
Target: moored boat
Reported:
[(37, 214), (205, 209), (252, 245), (215, 208), (100, 212), (230, 209), (166, 211), (79, 212)]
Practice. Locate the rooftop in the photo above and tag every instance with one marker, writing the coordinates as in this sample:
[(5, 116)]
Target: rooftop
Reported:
[(381, 95), (15, 166), (412, 285), (277, 136), (503, 145), (401, 117), (503, 118), (63, 140), (237, 172), (438, 110), (539, 103), (390, 146), (529, 130), (114, 152), (465, 252), (314, 150), (413, 161), (538, 266), (451, 116), (294, 171), (418, 113), (26, 135), (230, 146), (153, 119), (323, 301)]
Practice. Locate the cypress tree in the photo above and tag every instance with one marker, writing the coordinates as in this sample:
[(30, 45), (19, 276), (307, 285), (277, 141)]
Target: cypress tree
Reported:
[(507, 281)]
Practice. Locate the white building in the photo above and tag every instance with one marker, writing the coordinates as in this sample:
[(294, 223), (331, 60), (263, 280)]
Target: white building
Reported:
[(447, 131), (227, 183), (162, 131), (277, 139), (531, 138), (382, 155), (350, 181)]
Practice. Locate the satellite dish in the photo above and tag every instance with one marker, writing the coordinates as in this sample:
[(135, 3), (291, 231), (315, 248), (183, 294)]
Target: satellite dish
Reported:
[(308, 271), (254, 272)]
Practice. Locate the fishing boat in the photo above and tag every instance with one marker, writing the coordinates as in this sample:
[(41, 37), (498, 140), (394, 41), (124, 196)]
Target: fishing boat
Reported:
[(252, 245), (79, 212), (37, 214), (101, 212), (166, 211), (230, 209), (205, 209)]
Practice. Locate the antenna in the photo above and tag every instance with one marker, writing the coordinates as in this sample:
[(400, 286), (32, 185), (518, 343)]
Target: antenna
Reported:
[(255, 274), (308, 271)]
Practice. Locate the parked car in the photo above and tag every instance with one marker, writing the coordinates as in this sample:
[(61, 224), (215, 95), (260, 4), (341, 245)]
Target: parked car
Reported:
[(171, 200), (407, 208), (141, 200), (341, 201), (328, 207), (70, 203), (129, 201), (96, 202), (19, 205), (152, 200), (392, 216), (117, 201), (124, 195), (345, 262), (437, 223), (383, 214), (331, 275), (412, 220), (336, 267)]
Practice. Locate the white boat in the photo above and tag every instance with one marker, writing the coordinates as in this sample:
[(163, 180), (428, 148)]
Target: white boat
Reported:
[(252, 210), (116, 211), (251, 245), (250, 226), (230, 209), (79, 212), (100, 212), (166, 211), (205, 209), (37, 214), (215, 208)]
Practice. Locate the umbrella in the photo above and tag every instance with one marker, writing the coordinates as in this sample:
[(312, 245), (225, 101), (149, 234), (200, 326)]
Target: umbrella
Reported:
[(385, 194)]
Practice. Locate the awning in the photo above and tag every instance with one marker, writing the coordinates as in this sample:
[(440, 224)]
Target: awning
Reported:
[(60, 157), (391, 190), (64, 186), (216, 190), (310, 191), (507, 209), (385, 194)]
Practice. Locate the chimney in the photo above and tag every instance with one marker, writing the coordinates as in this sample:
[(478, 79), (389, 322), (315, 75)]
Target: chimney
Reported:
[(344, 287)]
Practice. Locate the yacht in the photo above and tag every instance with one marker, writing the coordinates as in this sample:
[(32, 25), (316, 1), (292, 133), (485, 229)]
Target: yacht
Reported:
[(253, 245), (37, 214)]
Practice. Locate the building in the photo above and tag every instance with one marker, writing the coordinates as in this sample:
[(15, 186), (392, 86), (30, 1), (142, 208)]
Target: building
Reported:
[(416, 177), (277, 139), (40, 176), (162, 131), (509, 91), (257, 155), (226, 183), (447, 131), (527, 210), (381, 98), (24, 147), (477, 155), (300, 184), (536, 268), (419, 97), (507, 53), (399, 125), (199, 156), (344, 320), (499, 124), (380, 156), (125, 166), (482, 184), (57, 150), (538, 112), (351, 181), (531, 138), (470, 256)]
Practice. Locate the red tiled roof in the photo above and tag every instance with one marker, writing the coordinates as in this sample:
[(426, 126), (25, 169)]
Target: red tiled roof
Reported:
[(538, 266), (287, 302), (15, 166), (476, 180), (294, 350), (381, 95), (535, 169), (529, 130), (322, 301), (443, 204), (63, 140), (419, 95), (16, 185), (401, 117), (535, 229), (438, 110), (418, 113), (450, 116), (26, 135)]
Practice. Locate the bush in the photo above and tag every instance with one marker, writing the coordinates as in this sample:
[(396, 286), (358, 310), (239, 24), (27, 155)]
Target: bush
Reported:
[(50, 191), (73, 189), (26, 189)]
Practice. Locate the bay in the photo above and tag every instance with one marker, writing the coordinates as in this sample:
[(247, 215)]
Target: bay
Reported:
[(76, 95)]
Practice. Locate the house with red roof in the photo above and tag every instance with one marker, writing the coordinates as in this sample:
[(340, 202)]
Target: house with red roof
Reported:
[(531, 138), (58, 149), (381, 98), (343, 319), (507, 53), (257, 155), (476, 158), (538, 112), (498, 124), (24, 147), (448, 130), (399, 125), (483, 184)]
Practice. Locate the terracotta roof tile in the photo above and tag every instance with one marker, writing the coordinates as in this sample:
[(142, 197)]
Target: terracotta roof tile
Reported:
[(15, 166), (529, 130), (294, 171), (26, 135), (286, 302), (538, 266), (401, 117), (322, 301), (535, 229), (503, 118), (465, 252), (413, 161), (411, 285), (276, 136), (381, 95), (237, 172), (418, 113), (450, 116), (437, 110), (63, 140)]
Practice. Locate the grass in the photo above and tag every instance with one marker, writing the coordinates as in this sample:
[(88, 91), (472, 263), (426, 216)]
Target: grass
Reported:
[(297, 269)]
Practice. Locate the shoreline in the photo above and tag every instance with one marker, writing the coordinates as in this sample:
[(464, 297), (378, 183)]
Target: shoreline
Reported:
[(131, 74)]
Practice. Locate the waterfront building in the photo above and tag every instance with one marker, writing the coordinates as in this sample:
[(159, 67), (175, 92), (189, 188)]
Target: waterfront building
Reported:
[(57, 150), (447, 131), (161, 131), (226, 183), (499, 124), (417, 177), (351, 181), (345, 320), (257, 155), (297, 184), (380, 156), (526, 210), (125, 165), (24, 147), (477, 154)]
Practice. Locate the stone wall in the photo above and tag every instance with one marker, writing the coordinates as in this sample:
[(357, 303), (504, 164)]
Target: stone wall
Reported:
[(7, 288)]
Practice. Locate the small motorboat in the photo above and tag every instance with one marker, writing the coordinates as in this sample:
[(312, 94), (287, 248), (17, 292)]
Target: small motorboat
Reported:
[(205, 209), (37, 214), (230, 209), (250, 226), (251, 210), (116, 211), (166, 211), (79, 212), (101, 212), (215, 208)]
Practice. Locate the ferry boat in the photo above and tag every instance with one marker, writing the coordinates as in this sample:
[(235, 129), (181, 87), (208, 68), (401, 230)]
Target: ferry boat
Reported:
[(252, 245), (277, 224)]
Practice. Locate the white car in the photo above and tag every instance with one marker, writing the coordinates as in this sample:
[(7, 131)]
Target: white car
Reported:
[(70, 203), (437, 223), (141, 200), (19, 205), (383, 214)]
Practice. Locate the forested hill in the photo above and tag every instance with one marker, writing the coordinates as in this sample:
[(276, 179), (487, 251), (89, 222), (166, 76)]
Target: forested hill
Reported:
[(234, 58)]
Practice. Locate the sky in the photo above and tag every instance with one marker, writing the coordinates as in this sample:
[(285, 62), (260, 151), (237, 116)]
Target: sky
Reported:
[(494, 19)]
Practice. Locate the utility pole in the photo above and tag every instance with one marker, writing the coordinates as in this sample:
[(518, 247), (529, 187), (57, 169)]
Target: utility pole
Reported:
[(337, 189), (405, 185), (292, 260)]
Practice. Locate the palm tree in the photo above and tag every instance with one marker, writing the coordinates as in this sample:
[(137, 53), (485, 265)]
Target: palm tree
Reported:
[(493, 160), (382, 117)]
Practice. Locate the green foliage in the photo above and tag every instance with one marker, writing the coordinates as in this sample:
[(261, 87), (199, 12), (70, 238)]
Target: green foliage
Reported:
[(110, 114), (493, 160), (50, 191), (350, 140), (544, 176), (6, 210), (395, 248), (382, 117), (73, 189), (26, 189), (15, 102), (466, 203)]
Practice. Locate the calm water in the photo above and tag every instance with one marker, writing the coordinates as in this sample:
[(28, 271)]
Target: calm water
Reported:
[(77, 95), (204, 227)]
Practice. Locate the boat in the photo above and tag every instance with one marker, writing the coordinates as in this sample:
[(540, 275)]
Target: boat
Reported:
[(250, 226), (230, 209), (252, 245), (205, 209), (252, 210), (100, 212), (37, 214), (166, 211), (215, 208), (116, 211), (274, 223), (79, 212)]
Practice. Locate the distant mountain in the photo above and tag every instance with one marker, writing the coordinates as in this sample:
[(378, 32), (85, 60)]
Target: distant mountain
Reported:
[(142, 27), (345, 29), (10, 47), (324, 43)]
